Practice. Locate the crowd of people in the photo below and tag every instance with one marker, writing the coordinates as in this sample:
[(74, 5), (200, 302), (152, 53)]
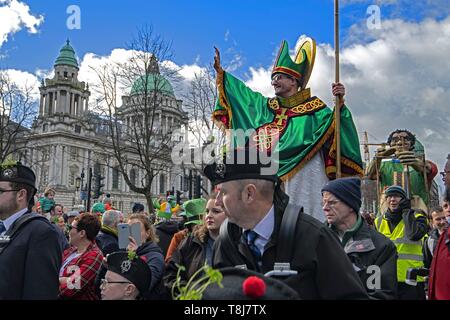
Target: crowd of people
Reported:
[(293, 233)]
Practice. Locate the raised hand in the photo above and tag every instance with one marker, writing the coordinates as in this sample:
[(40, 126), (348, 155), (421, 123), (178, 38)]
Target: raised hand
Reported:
[(217, 65)]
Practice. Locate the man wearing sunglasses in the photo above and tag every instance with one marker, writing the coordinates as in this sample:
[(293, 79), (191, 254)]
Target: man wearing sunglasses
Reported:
[(296, 127), (30, 256)]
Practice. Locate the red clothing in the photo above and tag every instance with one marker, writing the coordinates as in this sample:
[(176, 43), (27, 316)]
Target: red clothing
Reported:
[(89, 264), (175, 243), (439, 283)]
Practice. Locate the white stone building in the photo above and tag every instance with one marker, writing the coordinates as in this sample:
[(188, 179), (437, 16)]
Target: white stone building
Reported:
[(63, 143)]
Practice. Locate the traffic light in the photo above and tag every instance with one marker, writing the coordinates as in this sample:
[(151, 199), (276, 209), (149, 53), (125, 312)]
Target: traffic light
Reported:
[(98, 186)]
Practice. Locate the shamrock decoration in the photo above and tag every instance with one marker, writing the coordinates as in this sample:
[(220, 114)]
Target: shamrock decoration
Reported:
[(8, 163), (200, 280)]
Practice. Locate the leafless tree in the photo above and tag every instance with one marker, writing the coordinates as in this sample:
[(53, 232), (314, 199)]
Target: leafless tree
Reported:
[(136, 137), (17, 111), (199, 102)]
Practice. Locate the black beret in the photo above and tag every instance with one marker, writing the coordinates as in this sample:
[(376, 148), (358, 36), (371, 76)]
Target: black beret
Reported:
[(17, 173), (241, 164), (135, 270), (242, 284)]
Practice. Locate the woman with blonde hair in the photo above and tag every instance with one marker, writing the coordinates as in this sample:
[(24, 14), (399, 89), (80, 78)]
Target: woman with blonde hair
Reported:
[(197, 248), (152, 253)]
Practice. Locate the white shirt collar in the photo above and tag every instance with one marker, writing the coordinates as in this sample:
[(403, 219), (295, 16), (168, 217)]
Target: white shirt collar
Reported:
[(8, 222), (264, 228)]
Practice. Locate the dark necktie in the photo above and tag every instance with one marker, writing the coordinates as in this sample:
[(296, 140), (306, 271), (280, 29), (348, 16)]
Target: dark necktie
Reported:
[(2, 227), (251, 237)]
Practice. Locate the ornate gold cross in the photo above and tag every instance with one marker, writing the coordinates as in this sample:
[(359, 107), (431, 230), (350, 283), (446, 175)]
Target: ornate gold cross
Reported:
[(281, 117)]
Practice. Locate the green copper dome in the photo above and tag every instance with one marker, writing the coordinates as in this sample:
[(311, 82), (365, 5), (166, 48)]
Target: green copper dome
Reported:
[(154, 81), (67, 56)]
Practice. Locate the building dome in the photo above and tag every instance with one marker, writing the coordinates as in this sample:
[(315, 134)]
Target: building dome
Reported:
[(67, 56), (153, 81)]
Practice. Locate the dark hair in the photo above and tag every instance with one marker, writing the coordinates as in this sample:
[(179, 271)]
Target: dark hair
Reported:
[(411, 137), (446, 195), (30, 190), (90, 224), (138, 207)]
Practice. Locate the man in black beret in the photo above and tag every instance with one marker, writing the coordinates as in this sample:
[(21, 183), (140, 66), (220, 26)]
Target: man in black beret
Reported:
[(128, 275), (250, 194), (373, 255), (30, 257)]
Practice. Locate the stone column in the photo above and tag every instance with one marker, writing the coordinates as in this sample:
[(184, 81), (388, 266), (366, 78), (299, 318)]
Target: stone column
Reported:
[(56, 102), (41, 105), (64, 163), (80, 105), (66, 103), (52, 166), (72, 103)]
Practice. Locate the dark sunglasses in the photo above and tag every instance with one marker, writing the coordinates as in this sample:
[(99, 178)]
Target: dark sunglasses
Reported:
[(70, 227)]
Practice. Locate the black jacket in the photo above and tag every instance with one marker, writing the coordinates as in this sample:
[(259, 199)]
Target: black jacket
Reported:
[(324, 270), (29, 265), (369, 250), (107, 242), (191, 254), (155, 260), (429, 245), (165, 231)]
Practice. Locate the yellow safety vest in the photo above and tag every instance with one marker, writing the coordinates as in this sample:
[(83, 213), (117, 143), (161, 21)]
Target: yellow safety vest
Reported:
[(409, 252)]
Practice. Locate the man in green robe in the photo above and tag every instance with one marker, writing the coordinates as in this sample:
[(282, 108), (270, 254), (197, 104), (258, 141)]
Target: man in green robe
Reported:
[(298, 127)]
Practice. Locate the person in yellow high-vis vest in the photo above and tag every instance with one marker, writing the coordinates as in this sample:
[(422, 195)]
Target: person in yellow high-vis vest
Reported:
[(407, 229)]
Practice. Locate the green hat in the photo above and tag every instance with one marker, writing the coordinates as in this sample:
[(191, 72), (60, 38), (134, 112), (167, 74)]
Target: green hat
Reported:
[(98, 207), (194, 207), (164, 214), (197, 221), (284, 63)]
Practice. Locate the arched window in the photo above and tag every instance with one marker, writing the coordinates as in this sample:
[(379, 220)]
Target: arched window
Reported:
[(115, 178)]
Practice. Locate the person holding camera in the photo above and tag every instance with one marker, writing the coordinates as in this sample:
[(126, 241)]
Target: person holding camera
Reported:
[(407, 228)]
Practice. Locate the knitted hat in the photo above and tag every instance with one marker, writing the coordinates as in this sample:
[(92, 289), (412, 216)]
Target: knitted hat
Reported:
[(348, 190), (395, 190)]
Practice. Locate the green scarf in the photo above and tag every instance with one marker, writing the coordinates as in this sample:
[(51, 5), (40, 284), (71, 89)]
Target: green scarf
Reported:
[(110, 230)]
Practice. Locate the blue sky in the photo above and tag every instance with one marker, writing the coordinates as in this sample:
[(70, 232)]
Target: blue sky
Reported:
[(254, 27), (396, 76)]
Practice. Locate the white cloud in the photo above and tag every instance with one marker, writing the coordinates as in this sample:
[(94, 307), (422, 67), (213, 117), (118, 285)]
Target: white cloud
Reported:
[(15, 15), (25, 81), (398, 80)]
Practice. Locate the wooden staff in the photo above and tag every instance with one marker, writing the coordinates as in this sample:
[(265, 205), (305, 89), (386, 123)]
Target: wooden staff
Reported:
[(337, 106)]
